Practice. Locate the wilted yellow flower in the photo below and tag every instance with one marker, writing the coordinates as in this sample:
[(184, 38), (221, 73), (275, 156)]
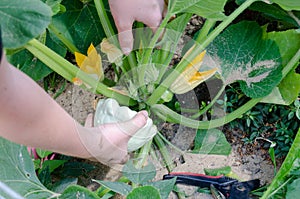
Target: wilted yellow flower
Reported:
[(113, 53), (92, 63), (191, 77)]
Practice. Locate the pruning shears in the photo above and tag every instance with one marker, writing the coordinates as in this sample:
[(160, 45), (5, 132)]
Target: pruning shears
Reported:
[(221, 187)]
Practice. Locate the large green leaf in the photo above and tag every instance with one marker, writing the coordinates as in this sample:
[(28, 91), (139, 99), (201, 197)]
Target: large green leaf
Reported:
[(80, 24), (17, 171), (139, 176), (118, 187), (288, 4), (33, 67), (205, 8), (242, 55), (145, 192), (22, 20), (289, 88), (211, 141), (285, 4), (78, 192), (164, 187)]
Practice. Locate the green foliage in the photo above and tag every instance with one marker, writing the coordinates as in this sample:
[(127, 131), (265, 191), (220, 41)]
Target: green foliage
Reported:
[(22, 21), (289, 169), (247, 58), (260, 62), (142, 186), (211, 141)]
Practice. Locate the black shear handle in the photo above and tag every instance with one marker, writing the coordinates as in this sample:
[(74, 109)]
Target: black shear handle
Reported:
[(199, 180)]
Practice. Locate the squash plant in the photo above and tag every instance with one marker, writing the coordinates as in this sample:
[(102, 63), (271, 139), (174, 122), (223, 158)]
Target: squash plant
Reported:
[(261, 62)]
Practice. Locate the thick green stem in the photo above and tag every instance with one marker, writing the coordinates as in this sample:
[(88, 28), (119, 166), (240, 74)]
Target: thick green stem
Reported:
[(69, 44), (199, 48), (169, 115), (109, 31), (148, 51), (164, 152), (69, 71), (143, 154), (208, 24)]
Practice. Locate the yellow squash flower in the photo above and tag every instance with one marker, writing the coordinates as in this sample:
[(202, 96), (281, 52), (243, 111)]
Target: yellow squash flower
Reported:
[(91, 64), (191, 77), (114, 54)]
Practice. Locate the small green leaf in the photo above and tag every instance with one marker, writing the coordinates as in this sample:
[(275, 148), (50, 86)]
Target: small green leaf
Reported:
[(52, 164), (242, 55), (61, 185), (218, 171), (118, 187), (78, 192), (139, 176), (145, 192), (211, 141), (205, 8), (164, 187), (22, 20), (43, 153)]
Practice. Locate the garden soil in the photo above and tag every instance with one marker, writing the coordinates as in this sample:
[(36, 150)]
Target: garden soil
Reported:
[(247, 162)]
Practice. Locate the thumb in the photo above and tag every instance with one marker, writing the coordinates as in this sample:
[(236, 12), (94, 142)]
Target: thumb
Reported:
[(89, 120), (130, 127)]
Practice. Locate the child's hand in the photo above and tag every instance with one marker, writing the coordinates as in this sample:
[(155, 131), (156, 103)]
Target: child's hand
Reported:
[(108, 143), (125, 12)]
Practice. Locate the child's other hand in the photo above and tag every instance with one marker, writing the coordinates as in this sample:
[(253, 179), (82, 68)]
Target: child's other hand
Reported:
[(125, 12)]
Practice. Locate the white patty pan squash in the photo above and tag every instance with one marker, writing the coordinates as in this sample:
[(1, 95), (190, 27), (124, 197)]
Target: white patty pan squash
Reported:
[(109, 111)]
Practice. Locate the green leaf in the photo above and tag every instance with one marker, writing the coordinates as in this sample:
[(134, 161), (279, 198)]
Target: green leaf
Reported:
[(293, 190), (287, 91), (219, 171), (43, 153), (118, 187), (145, 192), (17, 171), (79, 24), (78, 192), (288, 4), (242, 55), (61, 185), (275, 12), (22, 20), (52, 164), (55, 6), (164, 187), (139, 176), (33, 67), (205, 8), (211, 141), (285, 4)]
